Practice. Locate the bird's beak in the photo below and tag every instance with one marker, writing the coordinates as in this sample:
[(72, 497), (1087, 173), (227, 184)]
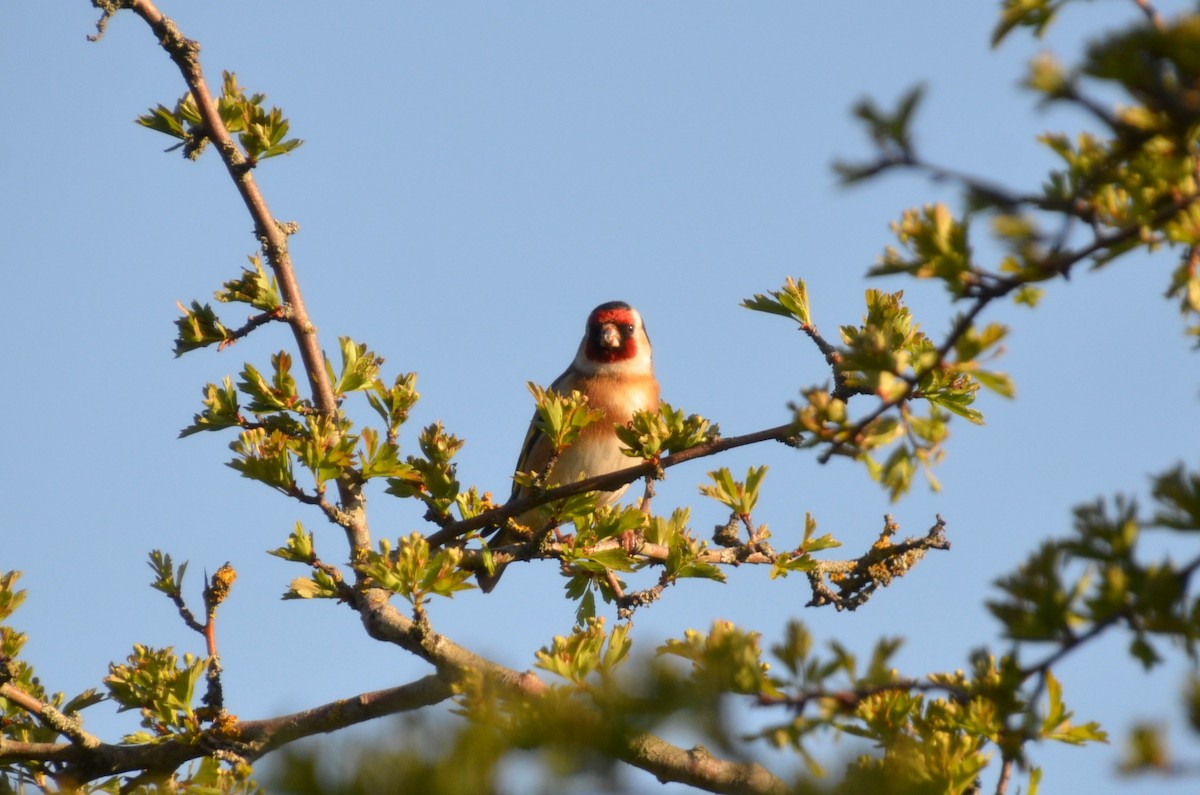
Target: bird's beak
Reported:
[(610, 337)]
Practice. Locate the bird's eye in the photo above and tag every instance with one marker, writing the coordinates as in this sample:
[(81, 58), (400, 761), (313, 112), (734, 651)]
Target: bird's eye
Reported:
[(627, 329)]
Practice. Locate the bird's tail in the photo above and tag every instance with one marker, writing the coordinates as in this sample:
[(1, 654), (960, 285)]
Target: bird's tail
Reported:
[(488, 581)]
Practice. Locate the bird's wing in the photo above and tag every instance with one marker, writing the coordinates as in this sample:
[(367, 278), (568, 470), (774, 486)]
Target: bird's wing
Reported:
[(534, 453), (536, 450)]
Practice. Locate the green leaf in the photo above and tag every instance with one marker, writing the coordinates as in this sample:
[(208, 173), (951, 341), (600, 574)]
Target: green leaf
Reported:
[(1056, 725), (414, 572), (739, 496), (1028, 295), (299, 549), (382, 460), (791, 301), (890, 127), (275, 395), (1178, 494), (264, 456), (360, 368), (162, 119), (199, 328), (166, 578), (562, 417), (157, 684), (220, 410), (999, 383), (10, 597), (321, 586), (1035, 14), (958, 404), (651, 434), (393, 403), (255, 287)]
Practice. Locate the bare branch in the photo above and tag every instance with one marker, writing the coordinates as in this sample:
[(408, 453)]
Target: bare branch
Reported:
[(264, 736), (253, 738), (252, 323), (698, 767), (1005, 774), (70, 726), (858, 580)]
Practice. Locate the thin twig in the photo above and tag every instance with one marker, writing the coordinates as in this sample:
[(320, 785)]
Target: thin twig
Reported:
[(1005, 774), (252, 323)]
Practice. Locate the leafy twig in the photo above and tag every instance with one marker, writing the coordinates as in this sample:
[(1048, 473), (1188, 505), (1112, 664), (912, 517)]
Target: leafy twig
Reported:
[(607, 482)]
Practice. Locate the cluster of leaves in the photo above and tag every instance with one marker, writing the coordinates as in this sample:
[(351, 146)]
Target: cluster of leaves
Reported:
[(936, 734), (1131, 186), (17, 723), (562, 418), (283, 433), (261, 132), (325, 582), (1097, 579), (652, 434), (1075, 586), (889, 357), (200, 327), (611, 541), (589, 651), (161, 687), (801, 558), (935, 744), (414, 571)]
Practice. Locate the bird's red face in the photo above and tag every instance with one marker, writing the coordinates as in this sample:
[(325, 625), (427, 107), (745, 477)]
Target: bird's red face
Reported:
[(612, 331)]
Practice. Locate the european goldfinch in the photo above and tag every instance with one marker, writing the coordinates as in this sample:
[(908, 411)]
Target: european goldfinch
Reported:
[(613, 368)]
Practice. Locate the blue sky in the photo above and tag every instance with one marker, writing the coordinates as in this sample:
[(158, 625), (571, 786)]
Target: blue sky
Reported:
[(475, 177)]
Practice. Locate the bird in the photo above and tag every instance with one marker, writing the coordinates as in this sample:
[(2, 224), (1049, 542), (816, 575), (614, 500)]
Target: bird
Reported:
[(614, 369)]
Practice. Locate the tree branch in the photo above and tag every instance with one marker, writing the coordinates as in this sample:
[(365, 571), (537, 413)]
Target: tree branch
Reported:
[(251, 738), (264, 736), (271, 235), (698, 768), (70, 726), (646, 751), (1059, 264), (607, 482)]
